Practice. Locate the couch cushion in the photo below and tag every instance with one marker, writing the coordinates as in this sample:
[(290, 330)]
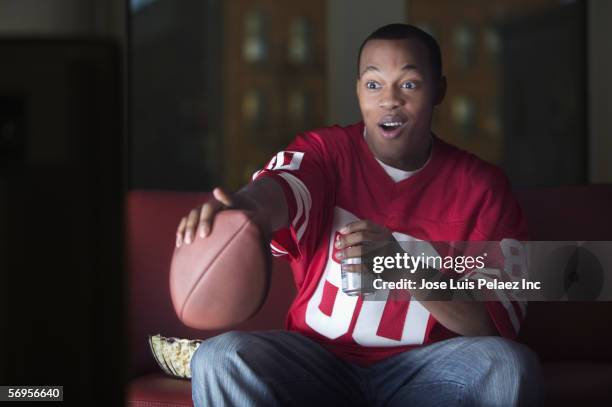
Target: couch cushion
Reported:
[(152, 218), (577, 384), (568, 213), (158, 390), (565, 384), (564, 331)]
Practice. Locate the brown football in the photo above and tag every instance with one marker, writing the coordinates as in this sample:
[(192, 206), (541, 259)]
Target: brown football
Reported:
[(222, 279)]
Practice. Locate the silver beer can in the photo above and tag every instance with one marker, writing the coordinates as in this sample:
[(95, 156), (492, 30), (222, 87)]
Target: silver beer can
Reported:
[(355, 282)]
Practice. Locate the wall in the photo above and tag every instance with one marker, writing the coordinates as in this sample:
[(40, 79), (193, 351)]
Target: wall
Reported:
[(600, 90), (348, 23), (63, 17)]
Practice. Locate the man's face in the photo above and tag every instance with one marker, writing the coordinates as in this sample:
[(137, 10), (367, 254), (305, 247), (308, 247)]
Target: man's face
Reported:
[(397, 94)]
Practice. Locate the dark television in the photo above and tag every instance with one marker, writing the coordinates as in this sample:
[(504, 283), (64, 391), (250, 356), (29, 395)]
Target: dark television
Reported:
[(61, 217)]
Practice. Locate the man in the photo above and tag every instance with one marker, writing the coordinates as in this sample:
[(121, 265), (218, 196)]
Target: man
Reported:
[(334, 189)]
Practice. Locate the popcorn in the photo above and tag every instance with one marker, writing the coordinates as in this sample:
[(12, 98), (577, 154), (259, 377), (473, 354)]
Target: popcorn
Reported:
[(173, 355)]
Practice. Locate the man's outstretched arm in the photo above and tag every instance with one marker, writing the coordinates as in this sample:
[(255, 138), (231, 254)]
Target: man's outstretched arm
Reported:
[(264, 197)]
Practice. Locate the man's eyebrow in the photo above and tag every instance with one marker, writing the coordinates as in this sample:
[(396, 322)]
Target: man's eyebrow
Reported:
[(407, 67), (370, 68), (410, 67)]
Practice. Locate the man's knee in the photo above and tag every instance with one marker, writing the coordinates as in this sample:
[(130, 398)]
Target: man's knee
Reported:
[(510, 369), (512, 357), (218, 353)]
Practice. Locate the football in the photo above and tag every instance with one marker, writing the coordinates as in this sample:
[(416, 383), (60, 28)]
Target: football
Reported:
[(222, 279)]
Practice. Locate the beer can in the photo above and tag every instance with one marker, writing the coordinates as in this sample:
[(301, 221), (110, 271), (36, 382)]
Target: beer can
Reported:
[(355, 282)]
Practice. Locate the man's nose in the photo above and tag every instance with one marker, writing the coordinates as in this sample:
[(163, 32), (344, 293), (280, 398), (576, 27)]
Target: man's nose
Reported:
[(391, 98)]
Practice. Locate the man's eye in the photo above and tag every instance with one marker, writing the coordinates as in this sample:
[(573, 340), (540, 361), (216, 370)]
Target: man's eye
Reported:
[(409, 85), (372, 85)]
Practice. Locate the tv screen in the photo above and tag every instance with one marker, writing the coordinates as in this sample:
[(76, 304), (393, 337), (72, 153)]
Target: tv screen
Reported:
[(61, 217)]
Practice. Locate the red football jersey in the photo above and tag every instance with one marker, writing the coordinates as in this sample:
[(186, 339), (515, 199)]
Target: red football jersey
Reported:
[(330, 178)]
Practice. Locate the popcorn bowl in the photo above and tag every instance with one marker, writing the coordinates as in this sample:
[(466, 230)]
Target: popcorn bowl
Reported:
[(173, 355)]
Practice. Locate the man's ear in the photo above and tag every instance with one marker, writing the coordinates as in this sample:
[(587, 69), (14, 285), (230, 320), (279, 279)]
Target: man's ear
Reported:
[(441, 91), (357, 87)]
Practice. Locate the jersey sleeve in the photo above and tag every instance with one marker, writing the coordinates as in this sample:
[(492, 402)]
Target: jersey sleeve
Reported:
[(501, 220), (306, 174)]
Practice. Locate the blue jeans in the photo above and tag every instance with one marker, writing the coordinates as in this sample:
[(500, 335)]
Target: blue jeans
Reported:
[(281, 368)]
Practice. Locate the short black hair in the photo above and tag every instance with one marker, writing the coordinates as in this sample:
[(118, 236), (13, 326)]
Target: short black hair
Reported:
[(403, 32)]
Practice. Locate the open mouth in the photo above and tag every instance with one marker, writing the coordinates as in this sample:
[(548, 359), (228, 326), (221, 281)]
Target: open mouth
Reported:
[(391, 126)]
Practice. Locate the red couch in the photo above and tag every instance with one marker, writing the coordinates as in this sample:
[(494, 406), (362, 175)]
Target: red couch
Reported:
[(574, 340)]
